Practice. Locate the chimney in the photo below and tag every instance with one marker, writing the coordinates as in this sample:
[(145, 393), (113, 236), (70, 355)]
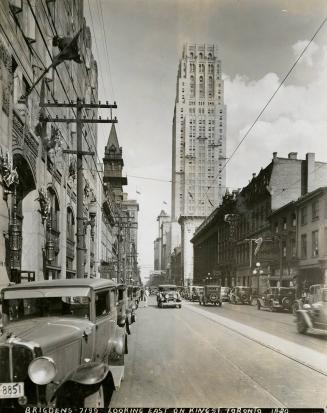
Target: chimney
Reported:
[(253, 175), (274, 155), (292, 155), (310, 164)]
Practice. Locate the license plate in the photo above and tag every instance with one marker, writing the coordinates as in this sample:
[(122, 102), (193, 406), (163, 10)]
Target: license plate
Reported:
[(11, 390)]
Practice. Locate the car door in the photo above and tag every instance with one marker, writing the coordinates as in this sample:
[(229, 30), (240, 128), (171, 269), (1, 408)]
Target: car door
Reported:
[(105, 322)]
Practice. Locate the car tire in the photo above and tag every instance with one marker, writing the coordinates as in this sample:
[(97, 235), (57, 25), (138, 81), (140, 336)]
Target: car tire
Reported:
[(219, 303), (95, 399), (258, 305), (200, 302), (301, 325)]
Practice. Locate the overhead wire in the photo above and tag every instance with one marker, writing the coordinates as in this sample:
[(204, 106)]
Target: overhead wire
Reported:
[(270, 99)]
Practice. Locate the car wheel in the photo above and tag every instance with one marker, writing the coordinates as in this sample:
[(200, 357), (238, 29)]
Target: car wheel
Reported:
[(219, 303), (200, 302), (301, 324), (95, 399), (258, 305)]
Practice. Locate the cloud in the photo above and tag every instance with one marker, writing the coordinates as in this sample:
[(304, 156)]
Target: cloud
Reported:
[(307, 58), (295, 121)]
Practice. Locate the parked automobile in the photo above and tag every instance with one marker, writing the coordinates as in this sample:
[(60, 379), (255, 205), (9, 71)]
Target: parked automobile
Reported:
[(308, 297), (168, 296), (125, 308), (210, 294), (224, 293), (313, 316), (195, 292), (240, 295), (277, 298), (60, 344)]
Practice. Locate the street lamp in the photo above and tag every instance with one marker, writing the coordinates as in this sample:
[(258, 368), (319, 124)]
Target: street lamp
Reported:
[(258, 271)]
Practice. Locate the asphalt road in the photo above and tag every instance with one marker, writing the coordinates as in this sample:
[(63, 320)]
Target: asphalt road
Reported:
[(230, 356)]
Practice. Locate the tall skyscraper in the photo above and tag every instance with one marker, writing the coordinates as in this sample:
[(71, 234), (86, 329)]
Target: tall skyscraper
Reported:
[(199, 146)]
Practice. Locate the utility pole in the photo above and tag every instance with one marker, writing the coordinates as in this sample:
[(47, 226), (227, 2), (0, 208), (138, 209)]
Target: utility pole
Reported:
[(79, 105)]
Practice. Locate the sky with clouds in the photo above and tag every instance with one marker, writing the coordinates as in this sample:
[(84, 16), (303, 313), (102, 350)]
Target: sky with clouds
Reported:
[(258, 42)]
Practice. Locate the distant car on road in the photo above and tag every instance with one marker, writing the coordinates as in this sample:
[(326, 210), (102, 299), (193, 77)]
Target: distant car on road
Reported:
[(210, 295), (224, 293), (313, 316), (277, 298), (195, 292), (240, 295), (60, 344), (168, 296)]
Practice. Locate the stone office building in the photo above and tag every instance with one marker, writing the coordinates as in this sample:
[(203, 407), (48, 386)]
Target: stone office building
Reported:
[(38, 185), (230, 249), (199, 146)]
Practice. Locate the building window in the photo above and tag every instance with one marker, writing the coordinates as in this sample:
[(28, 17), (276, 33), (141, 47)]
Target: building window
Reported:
[(293, 247), (315, 246), (192, 87), (210, 86), (284, 223), (201, 86), (315, 210), (304, 216), (276, 227), (293, 220), (304, 246)]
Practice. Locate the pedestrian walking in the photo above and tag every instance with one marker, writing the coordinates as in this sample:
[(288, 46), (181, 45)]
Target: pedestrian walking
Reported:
[(146, 295)]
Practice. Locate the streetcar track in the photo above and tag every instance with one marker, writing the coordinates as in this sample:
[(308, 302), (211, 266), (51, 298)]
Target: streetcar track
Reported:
[(218, 349), (261, 317), (301, 362)]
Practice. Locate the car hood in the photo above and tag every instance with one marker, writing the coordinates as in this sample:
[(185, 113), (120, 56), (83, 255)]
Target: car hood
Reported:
[(46, 333)]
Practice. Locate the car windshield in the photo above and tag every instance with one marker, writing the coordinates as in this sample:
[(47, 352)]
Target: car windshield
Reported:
[(168, 288), (24, 308)]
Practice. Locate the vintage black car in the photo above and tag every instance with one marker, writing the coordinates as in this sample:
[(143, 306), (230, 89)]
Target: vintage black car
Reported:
[(210, 295), (168, 296), (224, 293), (313, 316), (240, 295), (60, 344), (277, 298)]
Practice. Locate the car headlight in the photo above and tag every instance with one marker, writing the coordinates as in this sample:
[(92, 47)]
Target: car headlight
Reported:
[(166, 296), (42, 370)]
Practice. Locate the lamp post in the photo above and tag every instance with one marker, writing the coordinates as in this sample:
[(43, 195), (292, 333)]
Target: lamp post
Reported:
[(258, 271)]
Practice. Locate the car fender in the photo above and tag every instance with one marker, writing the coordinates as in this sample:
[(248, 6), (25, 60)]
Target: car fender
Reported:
[(87, 375), (305, 315)]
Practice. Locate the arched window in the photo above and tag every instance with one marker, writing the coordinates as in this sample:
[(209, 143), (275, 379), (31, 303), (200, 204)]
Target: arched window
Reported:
[(54, 209), (209, 55), (201, 87), (210, 68), (191, 55), (201, 68), (192, 67), (70, 225), (200, 55)]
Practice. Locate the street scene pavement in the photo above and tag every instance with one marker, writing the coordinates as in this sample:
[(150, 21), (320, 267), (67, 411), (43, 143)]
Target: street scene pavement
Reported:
[(197, 356)]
